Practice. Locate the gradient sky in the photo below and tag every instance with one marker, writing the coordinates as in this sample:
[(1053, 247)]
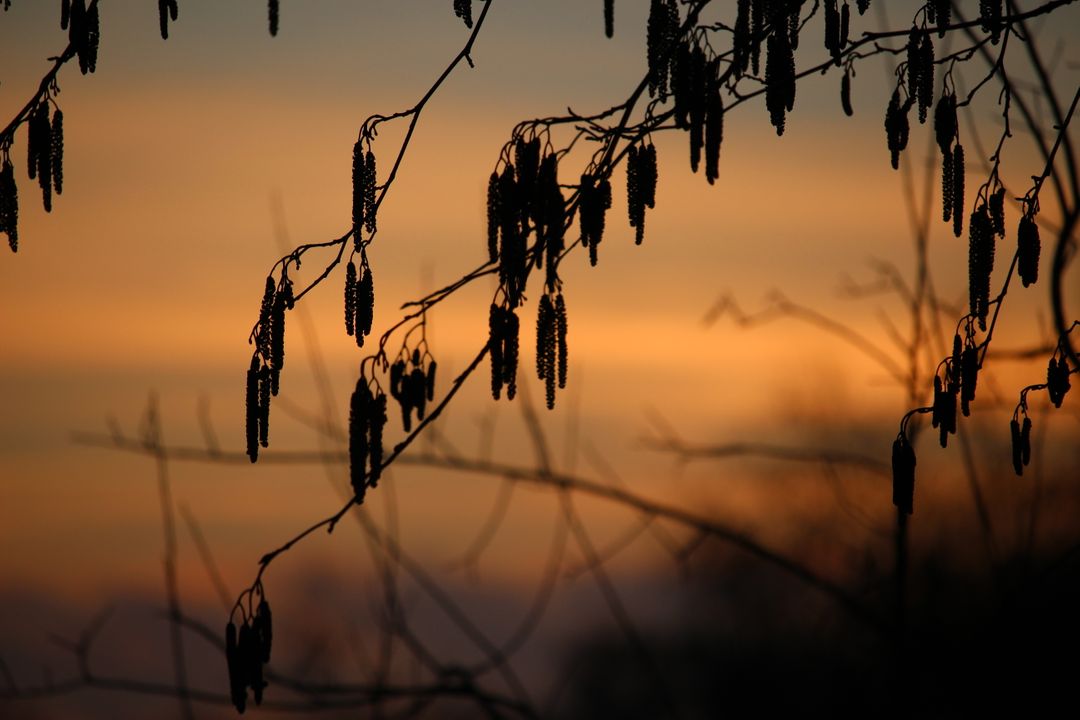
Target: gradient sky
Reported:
[(148, 272)]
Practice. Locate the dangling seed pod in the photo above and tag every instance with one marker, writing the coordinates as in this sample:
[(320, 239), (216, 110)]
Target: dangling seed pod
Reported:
[(85, 33), (634, 206), (545, 335), (903, 468), (957, 354), (945, 122), (696, 105), (658, 37), (495, 349), (418, 387), (845, 92), (9, 204), (1017, 447), (996, 206), (265, 387), (237, 679), (246, 656), (397, 373), (272, 11), (493, 217), (832, 30), (167, 10), (757, 34), (942, 10), (958, 190), (1028, 248), (431, 380), (969, 377), (714, 133), (265, 634), (277, 334), (251, 409), (263, 336), (980, 263), (56, 159), (845, 24), (359, 193), (1025, 441), (609, 18), (560, 339), (510, 353), (1057, 380), (990, 18), (463, 9), (925, 88), (896, 126), (863, 5), (741, 39), (65, 13), (595, 200), (365, 304), (375, 447), (779, 79), (370, 180), (40, 158), (527, 165), (947, 182), (359, 433), (350, 297)]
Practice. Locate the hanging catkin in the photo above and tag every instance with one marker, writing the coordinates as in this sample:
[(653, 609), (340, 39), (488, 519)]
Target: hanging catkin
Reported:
[(359, 193), (1028, 248), (350, 297), (958, 190), (714, 132), (251, 409), (9, 204), (903, 468)]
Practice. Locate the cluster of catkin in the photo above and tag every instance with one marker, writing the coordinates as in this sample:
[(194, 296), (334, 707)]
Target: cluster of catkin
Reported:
[(264, 373), (594, 200), (987, 222), (957, 378), (1057, 385), (990, 12), (359, 300), (503, 347), (367, 419), (463, 9), (640, 186), (45, 151), (896, 125), (363, 196), (412, 384), (837, 28), (780, 47), (551, 355), (84, 30), (698, 105), (246, 652), (1057, 379), (952, 161), (920, 69), (662, 32), (524, 198)]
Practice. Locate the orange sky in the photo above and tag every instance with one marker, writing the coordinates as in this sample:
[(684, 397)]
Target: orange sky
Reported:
[(148, 273)]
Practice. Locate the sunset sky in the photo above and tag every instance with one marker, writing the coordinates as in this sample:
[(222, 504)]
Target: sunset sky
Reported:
[(188, 162)]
